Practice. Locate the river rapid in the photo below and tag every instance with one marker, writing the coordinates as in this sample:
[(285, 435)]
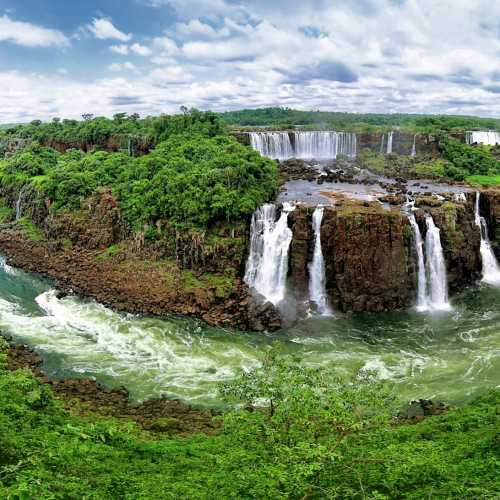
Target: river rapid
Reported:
[(451, 356)]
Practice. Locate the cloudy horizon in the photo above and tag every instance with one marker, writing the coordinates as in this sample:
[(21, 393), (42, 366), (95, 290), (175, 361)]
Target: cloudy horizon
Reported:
[(153, 56)]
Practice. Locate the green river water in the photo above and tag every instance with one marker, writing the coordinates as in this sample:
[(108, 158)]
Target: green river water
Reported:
[(451, 357)]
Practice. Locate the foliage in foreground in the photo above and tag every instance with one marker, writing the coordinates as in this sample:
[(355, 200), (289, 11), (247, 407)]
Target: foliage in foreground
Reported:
[(321, 438)]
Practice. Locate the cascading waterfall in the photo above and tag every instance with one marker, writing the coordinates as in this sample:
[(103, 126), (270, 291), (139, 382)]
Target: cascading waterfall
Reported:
[(19, 201), (327, 145), (267, 265), (432, 292), (317, 280), (414, 147), (382, 142), (491, 269), (305, 145), (422, 299), (389, 142), (436, 268), (276, 145), (486, 137)]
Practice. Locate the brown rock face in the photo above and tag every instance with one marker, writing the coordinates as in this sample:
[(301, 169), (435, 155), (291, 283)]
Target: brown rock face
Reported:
[(367, 259), (300, 249), (490, 209)]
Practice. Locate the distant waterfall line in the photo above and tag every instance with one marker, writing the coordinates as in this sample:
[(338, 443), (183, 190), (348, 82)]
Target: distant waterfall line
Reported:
[(485, 137), (491, 269), (304, 145)]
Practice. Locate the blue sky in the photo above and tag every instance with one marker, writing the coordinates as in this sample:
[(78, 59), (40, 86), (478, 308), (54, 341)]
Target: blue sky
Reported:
[(60, 58)]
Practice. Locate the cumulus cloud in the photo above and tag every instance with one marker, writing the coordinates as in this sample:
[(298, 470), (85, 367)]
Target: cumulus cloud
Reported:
[(123, 66), (103, 29), (30, 35), (140, 50), (120, 49)]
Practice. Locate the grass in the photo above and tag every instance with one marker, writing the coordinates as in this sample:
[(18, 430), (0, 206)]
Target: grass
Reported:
[(30, 229), (6, 212), (484, 180)]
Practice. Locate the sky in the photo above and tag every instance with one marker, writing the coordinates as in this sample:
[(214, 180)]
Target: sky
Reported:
[(61, 58)]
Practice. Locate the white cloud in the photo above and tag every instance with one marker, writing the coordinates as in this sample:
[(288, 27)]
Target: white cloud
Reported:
[(122, 66), (140, 50), (30, 35), (103, 29), (121, 49), (169, 75), (351, 56)]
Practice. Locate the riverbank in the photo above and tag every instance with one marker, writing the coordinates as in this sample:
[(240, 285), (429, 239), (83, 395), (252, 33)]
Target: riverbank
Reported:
[(131, 284), (84, 397)]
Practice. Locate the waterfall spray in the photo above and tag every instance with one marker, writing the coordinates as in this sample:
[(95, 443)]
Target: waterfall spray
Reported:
[(389, 142)]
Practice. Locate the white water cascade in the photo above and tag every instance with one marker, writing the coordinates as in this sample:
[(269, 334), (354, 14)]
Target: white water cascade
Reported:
[(382, 142), (267, 265), (491, 269), (436, 268), (389, 142), (432, 292), (19, 201), (486, 137), (304, 145), (317, 280), (274, 145), (414, 147), (422, 299)]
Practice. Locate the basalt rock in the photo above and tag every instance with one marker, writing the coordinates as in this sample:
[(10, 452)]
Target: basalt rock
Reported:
[(460, 239), (490, 208)]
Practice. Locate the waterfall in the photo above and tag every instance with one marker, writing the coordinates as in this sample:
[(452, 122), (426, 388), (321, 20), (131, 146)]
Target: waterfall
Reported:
[(382, 144), (436, 268), (414, 147), (422, 300), (274, 145), (432, 292), (491, 269), (486, 137), (317, 280), (389, 142), (19, 201), (325, 145), (267, 265), (305, 145)]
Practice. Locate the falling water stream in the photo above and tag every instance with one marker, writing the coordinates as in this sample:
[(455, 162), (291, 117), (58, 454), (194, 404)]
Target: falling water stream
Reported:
[(270, 239), (317, 282), (491, 269)]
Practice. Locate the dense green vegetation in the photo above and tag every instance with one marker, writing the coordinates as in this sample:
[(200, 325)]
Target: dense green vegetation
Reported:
[(286, 117), (316, 436), (195, 176)]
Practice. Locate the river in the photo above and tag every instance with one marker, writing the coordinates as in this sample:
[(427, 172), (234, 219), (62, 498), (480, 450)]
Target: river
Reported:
[(450, 356)]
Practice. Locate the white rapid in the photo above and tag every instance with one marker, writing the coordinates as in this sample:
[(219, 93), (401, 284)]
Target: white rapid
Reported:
[(436, 268), (274, 145), (267, 265), (414, 147), (486, 137), (317, 281), (304, 145), (389, 142), (491, 269), (432, 291)]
